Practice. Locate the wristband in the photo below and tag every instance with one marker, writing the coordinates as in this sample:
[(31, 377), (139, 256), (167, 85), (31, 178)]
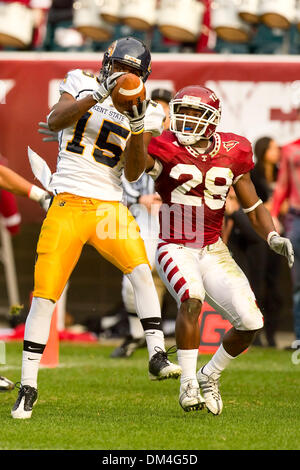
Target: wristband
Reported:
[(35, 193), (270, 235), (138, 132), (99, 97), (250, 209)]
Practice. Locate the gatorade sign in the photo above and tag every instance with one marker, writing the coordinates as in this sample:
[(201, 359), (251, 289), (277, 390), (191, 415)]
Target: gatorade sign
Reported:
[(212, 329)]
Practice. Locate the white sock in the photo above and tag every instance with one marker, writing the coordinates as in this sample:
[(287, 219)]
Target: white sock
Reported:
[(30, 368), (146, 298), (187, 359), (218, 362), (36, 335), (135, 327), (154, 338), (147, 306)]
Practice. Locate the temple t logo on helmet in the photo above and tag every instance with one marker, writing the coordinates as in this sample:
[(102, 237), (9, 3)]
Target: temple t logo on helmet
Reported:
[(129, 51), (195, 112)]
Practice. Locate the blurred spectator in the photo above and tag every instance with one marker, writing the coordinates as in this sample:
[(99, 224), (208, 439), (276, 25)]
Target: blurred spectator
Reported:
[(14, 183), (237, 232), (61, 35), (163, 96), (9, 211), (268, 41), (264, 174), (244, 244), (207, 37), (288, 188), (29, 28), (248, 249), (11, 219), (266, 281), (8, 208)]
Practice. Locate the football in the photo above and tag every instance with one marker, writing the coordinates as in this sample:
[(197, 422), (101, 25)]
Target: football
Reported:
[(129, 90)]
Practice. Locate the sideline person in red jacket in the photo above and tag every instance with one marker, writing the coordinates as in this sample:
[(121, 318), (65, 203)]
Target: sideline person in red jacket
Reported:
[(11, 182)]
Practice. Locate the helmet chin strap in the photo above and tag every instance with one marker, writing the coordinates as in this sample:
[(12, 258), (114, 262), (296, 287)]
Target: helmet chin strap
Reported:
[(187, 139)]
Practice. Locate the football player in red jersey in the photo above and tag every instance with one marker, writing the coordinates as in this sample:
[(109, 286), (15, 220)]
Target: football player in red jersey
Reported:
[(12, 182), (15, 183), (194, 167)]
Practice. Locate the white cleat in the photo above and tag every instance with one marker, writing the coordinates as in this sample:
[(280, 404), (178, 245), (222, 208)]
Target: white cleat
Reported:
[(161, 368), (27, 398), (190, 398), (209, 385), (5, 384)]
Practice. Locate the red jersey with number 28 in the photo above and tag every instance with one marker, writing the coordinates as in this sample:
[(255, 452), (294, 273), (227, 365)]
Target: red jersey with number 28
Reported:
[(194, 186)]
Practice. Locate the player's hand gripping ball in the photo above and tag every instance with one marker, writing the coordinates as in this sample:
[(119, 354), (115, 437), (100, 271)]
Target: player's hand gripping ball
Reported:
[(129, 90)]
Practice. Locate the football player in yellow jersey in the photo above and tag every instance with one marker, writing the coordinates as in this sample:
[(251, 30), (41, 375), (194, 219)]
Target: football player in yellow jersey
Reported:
[(96, 143)]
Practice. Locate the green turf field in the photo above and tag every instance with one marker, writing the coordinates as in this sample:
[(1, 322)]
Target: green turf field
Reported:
[(94, 402)]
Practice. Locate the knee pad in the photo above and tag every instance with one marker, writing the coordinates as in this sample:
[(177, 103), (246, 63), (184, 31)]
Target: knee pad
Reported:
[(128, 295), (251, 320)]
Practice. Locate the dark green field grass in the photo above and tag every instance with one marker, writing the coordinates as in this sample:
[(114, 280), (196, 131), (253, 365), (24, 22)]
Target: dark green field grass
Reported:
[(94, 402)]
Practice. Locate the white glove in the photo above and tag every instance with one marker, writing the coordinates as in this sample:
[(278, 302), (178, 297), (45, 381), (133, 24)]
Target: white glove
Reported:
[(105, 88), (44, 129), (282, 246), (136, 117), (41, 196), (45, 201)]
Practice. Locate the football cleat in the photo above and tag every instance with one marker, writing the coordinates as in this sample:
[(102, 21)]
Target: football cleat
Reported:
[(209, 385), (161, 368), (5, 384), (127, 348), (27, 398), (190, 398)]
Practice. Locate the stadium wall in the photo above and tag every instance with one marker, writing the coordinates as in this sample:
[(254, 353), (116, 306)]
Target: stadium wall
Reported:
[(260, 96)]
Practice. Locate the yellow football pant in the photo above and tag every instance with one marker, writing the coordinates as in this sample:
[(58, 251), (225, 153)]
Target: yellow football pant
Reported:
[(71, 222)]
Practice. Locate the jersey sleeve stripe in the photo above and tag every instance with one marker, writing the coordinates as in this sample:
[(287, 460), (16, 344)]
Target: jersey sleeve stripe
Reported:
[(161, 256), (172, 273), (168, 262), (161, 244), (179, 284), (185, 296), (81, 91)]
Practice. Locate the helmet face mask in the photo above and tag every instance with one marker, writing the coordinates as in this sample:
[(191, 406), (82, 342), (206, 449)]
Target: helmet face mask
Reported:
[(128, 51), (118, 66), (195, 113)]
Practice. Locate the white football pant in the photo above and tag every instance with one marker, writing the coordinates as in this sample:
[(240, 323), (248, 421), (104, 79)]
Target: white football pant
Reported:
[(209, 274)]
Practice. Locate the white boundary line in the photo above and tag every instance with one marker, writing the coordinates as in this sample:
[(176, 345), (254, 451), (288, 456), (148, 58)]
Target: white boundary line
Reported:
[(156, 57), (105, 364)]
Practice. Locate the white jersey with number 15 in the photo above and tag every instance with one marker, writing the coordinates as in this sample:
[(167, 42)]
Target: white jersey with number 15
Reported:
[(90, 158)]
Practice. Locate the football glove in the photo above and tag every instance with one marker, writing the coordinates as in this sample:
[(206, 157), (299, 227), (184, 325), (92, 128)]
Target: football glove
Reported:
[(105, 88), (44, 129), (282, 246), (41, 196), (136, 117), (45, 201)]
